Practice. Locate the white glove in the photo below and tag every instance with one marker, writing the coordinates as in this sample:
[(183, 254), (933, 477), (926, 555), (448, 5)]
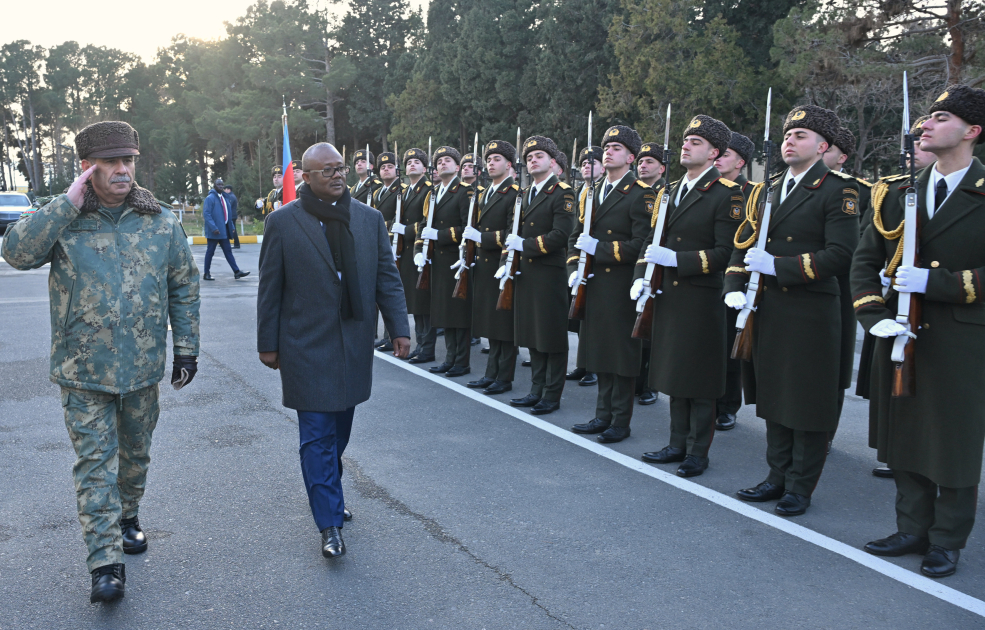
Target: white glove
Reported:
[(500, 273), (398, 228), (458, 263), (660, 256), (429, 234), (587, 244), (882, 278), (514, 242), (736, 300), (636, 290), (758, 260), (472, 234), (419, 259), (887, 328), (571, 279), (912, 279)]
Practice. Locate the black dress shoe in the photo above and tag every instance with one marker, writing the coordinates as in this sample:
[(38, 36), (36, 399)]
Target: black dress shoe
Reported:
[(440, 369), (476, 340), (525, 363), (648, 397), (439, 332), (527, 401), (458, 371), (207, 277), (595, 425), (134, 540), (765, 491), (613, 434), (692, 466), (108, 583), (792, 504), (725, 422), (899, 544), (883, 472), (940, 562), (589, 379), (484, 351), (498, 387), (545, 407), (420, 359), (241, 274), (332, 545), (666, 455), (575, 374), (346, 514), (385, 347), (482, 383)]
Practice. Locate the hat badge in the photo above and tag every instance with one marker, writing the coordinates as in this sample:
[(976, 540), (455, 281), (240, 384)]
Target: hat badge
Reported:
[(694, 124), (942, 97), (441, 150), (614, 132), (800, 115), (493, 145)]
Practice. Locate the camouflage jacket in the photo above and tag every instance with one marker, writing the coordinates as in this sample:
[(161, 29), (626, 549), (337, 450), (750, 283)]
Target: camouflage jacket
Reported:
[(113, 288)]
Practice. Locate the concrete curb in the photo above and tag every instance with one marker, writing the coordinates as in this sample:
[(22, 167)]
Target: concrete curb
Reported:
[(201, 240)]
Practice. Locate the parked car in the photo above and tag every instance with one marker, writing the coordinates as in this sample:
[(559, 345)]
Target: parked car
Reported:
[(12, 206)]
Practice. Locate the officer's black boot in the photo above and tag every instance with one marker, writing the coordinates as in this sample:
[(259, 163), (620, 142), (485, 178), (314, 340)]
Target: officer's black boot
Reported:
[(108, 583), (134, 540)]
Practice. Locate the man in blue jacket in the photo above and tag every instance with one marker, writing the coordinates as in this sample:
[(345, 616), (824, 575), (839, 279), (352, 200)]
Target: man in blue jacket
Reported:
[(216, 213)]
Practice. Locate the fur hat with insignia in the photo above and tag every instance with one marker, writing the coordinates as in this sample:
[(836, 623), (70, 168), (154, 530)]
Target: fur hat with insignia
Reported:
[(540, 143), (501, 147), (416, 154), (711, 129), (819, 120), (845, 141), (652, 149), (448, 152), (468, 157), (387, 158), (590, 153), (277, 170), (562, 161), (626, 136), (361, 155), (743, 146), (967, 103), (113, 138), (917, 127), (296, 165)]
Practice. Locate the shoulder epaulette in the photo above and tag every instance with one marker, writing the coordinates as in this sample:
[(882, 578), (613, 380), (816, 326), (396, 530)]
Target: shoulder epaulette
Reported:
[(893, 178), (727, 182), (842, 174), (776, 178), (514, 187), (163, 205), (864, 182), (563, 185), (428, 183)]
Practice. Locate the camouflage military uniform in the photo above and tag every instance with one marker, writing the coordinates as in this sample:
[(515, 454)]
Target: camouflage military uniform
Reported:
[(113, 289)]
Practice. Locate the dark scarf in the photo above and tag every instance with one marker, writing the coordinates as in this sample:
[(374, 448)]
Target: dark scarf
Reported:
[(140, 199), (335, 218)]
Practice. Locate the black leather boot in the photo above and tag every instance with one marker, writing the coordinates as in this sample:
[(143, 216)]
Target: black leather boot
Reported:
[(108, 583), (134, 540)]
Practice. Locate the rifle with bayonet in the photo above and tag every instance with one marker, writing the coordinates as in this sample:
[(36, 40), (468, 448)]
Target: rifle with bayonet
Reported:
[(466, 249), (654, 274), (579, 293), (505, 301), (369, 178), (424, 279), (397, 245), (742, 348)]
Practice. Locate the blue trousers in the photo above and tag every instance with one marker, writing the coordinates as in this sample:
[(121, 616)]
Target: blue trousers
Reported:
[(324, 436), (226, 251)]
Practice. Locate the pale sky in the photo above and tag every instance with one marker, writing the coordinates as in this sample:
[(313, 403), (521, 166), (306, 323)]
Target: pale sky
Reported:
[(137, 27)]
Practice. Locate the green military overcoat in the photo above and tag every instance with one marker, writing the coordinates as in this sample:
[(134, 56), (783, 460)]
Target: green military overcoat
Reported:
[(494, 210), (418, 302)]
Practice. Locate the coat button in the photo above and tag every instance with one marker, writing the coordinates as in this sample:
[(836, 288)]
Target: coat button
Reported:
[(487, 229), (678, 239), (789, 239), (926, 325), (530, 260), (531, 223), (609, 232), (675, 283), (769, 240), (784, 289), (607, 270), (935, 264)]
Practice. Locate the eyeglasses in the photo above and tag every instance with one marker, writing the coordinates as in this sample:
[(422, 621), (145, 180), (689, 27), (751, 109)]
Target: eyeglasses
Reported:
[(332, 171)]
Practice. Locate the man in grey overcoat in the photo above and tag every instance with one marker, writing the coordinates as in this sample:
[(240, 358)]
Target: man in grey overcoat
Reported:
[(325, 262)]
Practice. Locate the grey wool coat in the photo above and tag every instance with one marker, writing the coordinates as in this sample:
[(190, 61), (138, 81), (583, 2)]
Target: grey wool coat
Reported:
[(326, 362)]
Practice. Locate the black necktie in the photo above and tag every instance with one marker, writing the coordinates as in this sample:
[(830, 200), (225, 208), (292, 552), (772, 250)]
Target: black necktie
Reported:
[(683, 192), (533, 193), (605, 193), (790, 186), (940, 194)]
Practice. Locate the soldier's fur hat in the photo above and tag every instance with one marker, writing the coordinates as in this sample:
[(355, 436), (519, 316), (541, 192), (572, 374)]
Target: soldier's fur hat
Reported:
[(109, 139), (562, 161), (416, 154), (652, 149), (917, 127), (590, 153), (819, 120), (361, 155), (468, 157), (387, 158), (502, 147), (277, 170), (742, 145), (626, 136), (296, 165), (711, 129), (540, 143), (845, 141), (448, 152), (967, 103)]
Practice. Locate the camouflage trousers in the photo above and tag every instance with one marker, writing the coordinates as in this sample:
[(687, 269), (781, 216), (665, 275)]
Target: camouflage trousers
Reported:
[(112, 437)]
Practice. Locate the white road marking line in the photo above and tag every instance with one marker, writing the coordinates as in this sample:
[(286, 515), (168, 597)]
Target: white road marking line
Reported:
[(22, 300), (890, 570)]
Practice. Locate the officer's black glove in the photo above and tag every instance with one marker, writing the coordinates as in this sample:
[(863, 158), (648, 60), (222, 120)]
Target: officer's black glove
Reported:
[(184, 371)]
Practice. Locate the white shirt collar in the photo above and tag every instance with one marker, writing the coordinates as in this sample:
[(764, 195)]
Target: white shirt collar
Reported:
[(953, 180), (690, 184), (796, 182)]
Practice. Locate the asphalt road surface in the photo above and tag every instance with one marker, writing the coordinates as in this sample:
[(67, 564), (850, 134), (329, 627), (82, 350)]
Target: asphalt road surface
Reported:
[(468, 514)]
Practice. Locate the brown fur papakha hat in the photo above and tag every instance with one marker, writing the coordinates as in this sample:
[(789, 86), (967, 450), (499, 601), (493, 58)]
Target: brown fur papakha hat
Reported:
[(449, 152), (652, 149), (967, 103), (626, 136), (590, 153), (917, 127), (742, 146), (361, 155), (819, 120), (416, 154), (711, 129), (845, 140), (387, 158), (540, 143), (112, 138), (501, 147)]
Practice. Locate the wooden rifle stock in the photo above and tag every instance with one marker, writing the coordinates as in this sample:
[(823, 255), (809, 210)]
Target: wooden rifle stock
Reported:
[(461, 290), (577, 309), (905, 373), (400, 249), (424, 280), (742, 348), (642, 329)]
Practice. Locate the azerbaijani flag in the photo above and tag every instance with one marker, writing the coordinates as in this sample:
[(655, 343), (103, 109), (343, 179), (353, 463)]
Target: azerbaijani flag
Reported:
[(288, 185)]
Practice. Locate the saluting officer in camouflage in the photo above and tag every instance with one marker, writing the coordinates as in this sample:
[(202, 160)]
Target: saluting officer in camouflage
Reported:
[(121, 271), (366, 185)]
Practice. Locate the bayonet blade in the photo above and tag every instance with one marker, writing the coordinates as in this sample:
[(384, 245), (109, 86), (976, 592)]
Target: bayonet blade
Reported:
[(667, 131), (906, 105), (769, 110)]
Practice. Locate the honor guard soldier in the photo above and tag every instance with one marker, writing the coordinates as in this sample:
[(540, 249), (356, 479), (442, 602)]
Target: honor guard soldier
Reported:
[(688, 334), (589, 162), (494, 208), (366, 185), (620, 223), (451, 209), (540, 302), (561, 167), (275, 199), (270, 203), (932, 436), (468, 171), (731, 164), (796, 342), (413, 219), (836, 158), (385, 200)]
